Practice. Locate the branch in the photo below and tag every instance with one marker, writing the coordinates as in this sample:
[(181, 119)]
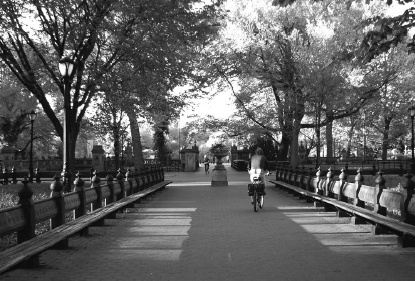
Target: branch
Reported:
[(247, 112)]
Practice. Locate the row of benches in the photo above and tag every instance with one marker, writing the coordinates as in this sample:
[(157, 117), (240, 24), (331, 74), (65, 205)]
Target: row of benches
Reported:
[(89, 205), (389, 211), (14, 176)]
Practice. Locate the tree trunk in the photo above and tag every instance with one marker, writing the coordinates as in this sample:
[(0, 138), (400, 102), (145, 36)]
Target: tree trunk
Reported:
[(350, 134), (116, 133), (318, 145), (385, 141), (294, 138), (72, 131), (294, 148), (329, 139), (136, 140), (284, 147)]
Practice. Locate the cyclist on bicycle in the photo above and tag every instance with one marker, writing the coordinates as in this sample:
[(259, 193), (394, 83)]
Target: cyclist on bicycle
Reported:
[(258, 166)]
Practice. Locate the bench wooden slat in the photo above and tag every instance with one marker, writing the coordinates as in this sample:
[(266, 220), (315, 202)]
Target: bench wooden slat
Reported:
[(21, 252), (400, 228)]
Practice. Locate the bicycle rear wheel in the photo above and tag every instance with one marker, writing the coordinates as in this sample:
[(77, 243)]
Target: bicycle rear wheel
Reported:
[(255, 197)]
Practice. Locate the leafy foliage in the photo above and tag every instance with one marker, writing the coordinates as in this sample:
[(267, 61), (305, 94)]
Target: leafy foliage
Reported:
[(384, 33), (149, 43), (15, 103), (160, 141), (218, 148)]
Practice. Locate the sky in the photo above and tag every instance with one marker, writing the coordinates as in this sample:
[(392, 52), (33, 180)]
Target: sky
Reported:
[(220, 105)]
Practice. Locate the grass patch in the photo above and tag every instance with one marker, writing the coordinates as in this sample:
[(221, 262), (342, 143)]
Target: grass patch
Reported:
[(391, 181), (9, 193)]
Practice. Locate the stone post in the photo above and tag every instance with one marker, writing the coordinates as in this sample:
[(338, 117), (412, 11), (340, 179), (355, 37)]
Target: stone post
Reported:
[(380, 186), (38, 180), (340, 196), (219, 173), (120, 180), (28, 231), (56, 188), (408, 191), (96, 184), (14, 176), (79, 187), (359, 179), (129, 179)]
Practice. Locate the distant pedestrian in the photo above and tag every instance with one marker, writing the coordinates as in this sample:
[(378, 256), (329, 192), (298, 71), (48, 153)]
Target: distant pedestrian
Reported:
[(91, 173), (206, 162)]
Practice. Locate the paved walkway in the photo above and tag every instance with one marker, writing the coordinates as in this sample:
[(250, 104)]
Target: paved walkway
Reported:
[(192, 231)]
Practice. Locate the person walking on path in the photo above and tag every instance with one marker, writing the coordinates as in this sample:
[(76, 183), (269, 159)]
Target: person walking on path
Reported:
[(206, 162)]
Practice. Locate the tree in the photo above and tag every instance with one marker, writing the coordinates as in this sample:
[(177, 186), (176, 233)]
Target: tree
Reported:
[(385, 32), (285, 54), (387, 112), (15, 103), (160, 141), (97, 35)]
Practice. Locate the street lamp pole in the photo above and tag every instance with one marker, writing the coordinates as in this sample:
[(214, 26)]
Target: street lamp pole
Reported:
[(122, 150), (364, 138), (66, 66), (32, 116)]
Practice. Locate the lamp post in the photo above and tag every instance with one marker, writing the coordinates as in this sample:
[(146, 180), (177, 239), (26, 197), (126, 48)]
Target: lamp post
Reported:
[(412, 112), (66, 66), (364, 144), (32, 116), (122, 150), (364, 138)]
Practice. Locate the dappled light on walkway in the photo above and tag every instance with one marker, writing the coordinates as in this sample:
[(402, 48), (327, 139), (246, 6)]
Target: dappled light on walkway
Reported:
[(154, 233), (338, 234)]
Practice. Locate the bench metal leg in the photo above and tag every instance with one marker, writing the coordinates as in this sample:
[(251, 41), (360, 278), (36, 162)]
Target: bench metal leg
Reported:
[(406, 241), (31, 262), (100, 222), (378, 230), (357, 220), (342, 214), (329, 208), (62, 245)]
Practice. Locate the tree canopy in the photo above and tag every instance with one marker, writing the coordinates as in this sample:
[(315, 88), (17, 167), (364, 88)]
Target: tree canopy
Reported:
[(148, 38)]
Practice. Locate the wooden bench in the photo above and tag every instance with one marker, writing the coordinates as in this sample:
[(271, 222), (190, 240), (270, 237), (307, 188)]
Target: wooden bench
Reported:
[(27, 253), (347, 198)]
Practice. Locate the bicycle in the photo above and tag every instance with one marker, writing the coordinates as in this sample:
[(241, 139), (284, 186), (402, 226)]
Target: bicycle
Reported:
[(256, 191)]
